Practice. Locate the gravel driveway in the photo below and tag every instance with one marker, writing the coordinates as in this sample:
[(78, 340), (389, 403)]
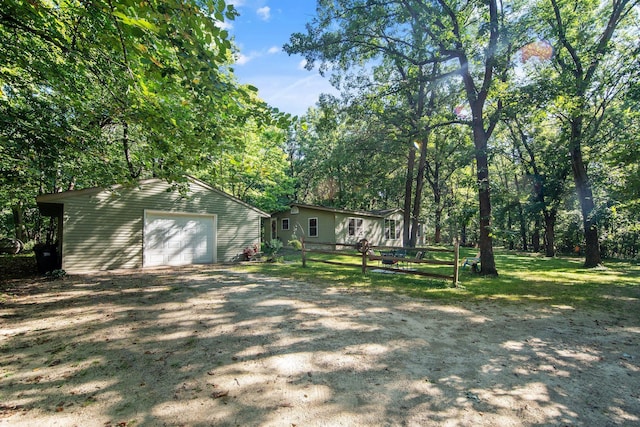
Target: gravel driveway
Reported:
[(220, 347)]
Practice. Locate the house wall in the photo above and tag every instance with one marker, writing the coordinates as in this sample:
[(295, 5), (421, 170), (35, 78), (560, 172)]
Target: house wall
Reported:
[(371, 229), (104, 230), (299, 225), (398, 240), (334, 227)]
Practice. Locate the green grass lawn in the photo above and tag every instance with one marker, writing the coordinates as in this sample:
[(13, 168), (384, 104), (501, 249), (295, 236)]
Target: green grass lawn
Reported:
[(523, 277)]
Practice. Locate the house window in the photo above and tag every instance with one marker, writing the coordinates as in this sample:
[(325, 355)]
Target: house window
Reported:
[(285, 223), (313, 227), (390, 229), (355, 226)]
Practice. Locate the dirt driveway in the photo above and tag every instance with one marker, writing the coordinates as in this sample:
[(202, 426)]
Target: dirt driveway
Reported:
[(216, 347)]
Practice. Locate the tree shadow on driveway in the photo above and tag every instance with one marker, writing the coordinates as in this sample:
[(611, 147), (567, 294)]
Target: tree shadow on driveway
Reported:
[(209, 346)]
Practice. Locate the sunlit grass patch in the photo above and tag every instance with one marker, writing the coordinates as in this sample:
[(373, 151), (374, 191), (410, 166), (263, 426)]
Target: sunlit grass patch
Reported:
[(523, 278)]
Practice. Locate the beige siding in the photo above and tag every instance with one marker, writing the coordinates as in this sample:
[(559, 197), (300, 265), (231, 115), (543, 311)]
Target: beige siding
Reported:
[(104, 230), (326, 225), (334, 227), (370, 229), (299, 224)]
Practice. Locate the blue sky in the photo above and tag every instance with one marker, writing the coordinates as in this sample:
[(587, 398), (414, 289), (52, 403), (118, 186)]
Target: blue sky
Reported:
[(260, 31)]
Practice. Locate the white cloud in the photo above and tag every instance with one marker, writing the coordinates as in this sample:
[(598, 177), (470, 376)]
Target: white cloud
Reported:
[(242, 59), (302, 64), (264, 13), (224, 25)]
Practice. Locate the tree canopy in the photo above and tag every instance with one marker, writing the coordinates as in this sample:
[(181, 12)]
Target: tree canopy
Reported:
[(104, 92), (521, 69)]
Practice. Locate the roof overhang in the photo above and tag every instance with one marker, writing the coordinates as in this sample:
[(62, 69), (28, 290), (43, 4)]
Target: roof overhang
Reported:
[(372, 214), (47, 202), (50, 209)]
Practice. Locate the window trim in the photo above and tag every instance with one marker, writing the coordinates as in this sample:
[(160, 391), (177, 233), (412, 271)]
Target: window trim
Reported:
[(317, 227), (358, 226), (282, 224), (387, 229)]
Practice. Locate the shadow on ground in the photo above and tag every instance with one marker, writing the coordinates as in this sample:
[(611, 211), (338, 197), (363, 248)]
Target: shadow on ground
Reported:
[(208, 346)]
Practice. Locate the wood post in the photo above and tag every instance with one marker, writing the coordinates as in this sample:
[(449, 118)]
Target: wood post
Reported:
[(304, 255), (365, 255), (456, 260)]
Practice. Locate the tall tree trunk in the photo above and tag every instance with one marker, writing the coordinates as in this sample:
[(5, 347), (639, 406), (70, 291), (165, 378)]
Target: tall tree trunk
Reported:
[(437, 237), (126, 146), (523, 228), (477, 98), (437, 200), (535, 236), (408, 190), (509, 236), (487, 260), (463, 235), (521, 218), (585, 196), (18, 221), (550, 232), (584, 75), (417, 203)]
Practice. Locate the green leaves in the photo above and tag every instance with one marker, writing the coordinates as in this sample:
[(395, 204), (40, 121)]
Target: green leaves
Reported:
[(94, 93), (135, 22)]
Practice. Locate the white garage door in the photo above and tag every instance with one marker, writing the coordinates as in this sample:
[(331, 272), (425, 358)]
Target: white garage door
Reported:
[(178, 239)]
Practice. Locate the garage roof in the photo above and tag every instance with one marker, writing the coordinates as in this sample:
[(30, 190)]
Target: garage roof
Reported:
[(49, 204)]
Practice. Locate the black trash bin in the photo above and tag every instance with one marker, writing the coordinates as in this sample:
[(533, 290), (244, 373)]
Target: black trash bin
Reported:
[(46, 258)]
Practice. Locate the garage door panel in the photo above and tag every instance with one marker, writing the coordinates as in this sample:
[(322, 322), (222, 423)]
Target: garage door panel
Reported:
[(176, 239)]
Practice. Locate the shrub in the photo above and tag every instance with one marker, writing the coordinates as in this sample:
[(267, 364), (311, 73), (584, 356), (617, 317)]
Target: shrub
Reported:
[(296, 244), (250, 251), (271, 248)]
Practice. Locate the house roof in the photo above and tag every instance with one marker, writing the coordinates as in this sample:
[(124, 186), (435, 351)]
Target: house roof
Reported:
[(377, 213), (46, 200)]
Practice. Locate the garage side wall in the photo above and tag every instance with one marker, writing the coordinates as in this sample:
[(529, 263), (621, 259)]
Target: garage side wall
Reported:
[(104, 230)]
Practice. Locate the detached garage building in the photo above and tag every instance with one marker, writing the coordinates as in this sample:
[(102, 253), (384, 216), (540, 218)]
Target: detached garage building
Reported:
[(150, 225)]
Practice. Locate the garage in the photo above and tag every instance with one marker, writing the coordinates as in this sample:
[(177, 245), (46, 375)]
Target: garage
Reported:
[(150, 224), (179, 239)]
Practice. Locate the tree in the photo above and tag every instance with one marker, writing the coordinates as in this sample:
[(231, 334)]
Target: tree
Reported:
[(476, 35), (547, 170), (393, 83), (535, 139), (448, 151), (592, 73), (345, 157), (103, 92), (253, 168)]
